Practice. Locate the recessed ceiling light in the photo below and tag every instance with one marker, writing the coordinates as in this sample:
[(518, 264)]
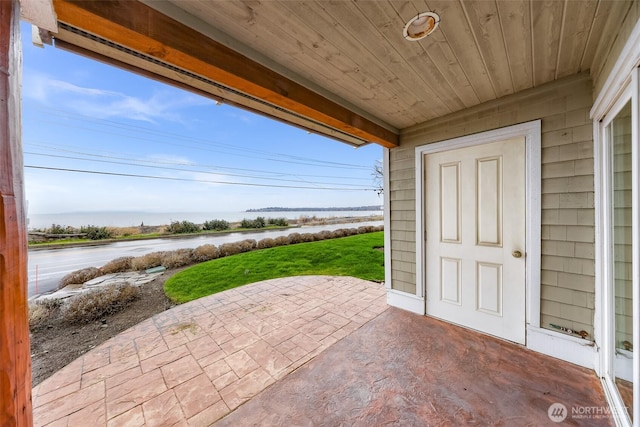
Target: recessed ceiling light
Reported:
[(420, 26)]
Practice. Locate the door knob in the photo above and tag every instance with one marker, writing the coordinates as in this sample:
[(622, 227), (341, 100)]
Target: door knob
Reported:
[(516, 254)]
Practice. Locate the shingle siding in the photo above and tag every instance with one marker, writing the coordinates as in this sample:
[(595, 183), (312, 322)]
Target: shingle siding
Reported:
[(567, 276)]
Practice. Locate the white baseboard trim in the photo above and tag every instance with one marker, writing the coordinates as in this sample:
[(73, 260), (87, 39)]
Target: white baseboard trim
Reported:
[(405, 301), (561, 346)]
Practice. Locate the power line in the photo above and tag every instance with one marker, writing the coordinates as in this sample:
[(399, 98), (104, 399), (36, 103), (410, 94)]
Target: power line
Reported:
[(158, 162), (180, 169), (203, 142), (309, 162), (195, 180)]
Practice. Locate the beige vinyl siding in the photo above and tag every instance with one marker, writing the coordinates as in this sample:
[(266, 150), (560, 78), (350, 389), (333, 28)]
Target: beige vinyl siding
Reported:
[(568, 268), (403, 219)]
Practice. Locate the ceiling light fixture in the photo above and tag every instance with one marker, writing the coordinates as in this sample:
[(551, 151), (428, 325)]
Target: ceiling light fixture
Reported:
[(420, 26)]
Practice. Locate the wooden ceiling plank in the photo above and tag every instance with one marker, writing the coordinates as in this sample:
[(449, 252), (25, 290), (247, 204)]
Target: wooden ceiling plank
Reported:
[(577, 27), (376, 53), (484, 20), (437, 50), (515, 20), (143, 29), (267, 32), (457, 32), (440, 52), (350, 21), (547, 26), (603, 10), (311, 15), (295, 46), (378, 57), (218, 20), (414, 54), (615, 18), (410, 58)]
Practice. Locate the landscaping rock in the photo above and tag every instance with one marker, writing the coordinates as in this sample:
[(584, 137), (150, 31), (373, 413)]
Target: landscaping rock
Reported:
[(133, 278)]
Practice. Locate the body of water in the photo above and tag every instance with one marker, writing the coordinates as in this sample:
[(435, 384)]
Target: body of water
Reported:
[(134, 219)]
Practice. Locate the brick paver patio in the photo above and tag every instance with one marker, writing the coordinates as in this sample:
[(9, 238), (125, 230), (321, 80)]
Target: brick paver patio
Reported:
[(195, 363), (311, 351)]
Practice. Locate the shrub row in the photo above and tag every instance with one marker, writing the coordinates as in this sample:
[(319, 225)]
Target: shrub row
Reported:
[(92, 232), (79, 277), (96, 233), (41, 310), (175, 227), (281, 222), (216, 225), (184, 257), (85, 307), (59, 229), (93, 305), (182, 227), (261, 222)]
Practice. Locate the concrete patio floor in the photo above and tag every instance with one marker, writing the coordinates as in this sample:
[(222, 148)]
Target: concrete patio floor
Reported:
[(310, 350)]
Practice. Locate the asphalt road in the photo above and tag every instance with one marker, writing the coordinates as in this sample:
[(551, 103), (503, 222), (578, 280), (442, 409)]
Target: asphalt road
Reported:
[(47, 267)]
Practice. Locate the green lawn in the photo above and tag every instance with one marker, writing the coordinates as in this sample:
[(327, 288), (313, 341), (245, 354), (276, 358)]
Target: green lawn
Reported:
[(355, 256)]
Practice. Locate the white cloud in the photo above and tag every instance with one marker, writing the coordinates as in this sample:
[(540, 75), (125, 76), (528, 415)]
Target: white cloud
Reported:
[(104, 104), (60, 86)]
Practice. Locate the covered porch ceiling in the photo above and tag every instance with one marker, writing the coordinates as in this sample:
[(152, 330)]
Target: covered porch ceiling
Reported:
[(341, 68)]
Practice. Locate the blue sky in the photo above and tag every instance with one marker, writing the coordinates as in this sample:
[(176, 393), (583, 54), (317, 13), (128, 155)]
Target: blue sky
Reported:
[(82, 115)]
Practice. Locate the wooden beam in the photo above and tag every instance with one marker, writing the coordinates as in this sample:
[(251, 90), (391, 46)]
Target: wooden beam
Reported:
[(15, 362), (143, 29)]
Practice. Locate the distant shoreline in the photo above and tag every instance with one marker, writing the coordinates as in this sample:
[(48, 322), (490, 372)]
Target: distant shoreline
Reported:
[(135, 219), (331, 209), (314, 220)]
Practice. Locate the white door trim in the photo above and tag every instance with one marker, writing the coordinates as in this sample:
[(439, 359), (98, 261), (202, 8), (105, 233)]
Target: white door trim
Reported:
[(635, 125), (603, 183), (531, 132), (623, 77), (604, 273)]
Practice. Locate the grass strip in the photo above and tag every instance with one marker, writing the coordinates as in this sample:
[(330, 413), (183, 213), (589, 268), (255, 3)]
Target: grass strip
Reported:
[(355, 256)]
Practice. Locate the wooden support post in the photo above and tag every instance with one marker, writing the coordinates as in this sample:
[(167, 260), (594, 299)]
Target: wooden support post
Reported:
[(15, 362)]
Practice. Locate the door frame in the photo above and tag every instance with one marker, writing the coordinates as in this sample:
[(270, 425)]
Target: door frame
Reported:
[(531, 131), (604, 255), (622, 82)]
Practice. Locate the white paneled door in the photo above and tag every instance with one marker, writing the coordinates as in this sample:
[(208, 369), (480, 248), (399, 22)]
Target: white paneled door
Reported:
[(475, 237)]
